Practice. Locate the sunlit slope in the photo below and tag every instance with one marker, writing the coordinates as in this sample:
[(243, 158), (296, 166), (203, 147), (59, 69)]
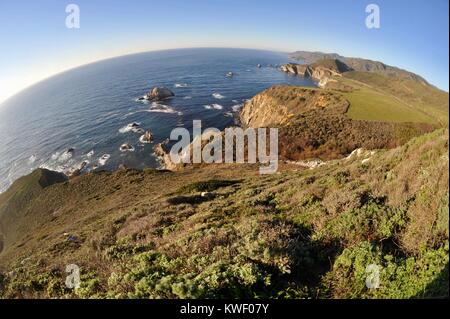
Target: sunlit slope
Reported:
[(297, 234), (390, 98)]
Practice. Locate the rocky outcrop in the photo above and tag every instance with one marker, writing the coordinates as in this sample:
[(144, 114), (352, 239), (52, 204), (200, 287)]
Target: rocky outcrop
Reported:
[(357, 64), (313, 124), (77, 171), (307, 164), (279, 104), (163, 154), (294, 68), (126, 147), (159, 93), (146, 138), (322, 71)]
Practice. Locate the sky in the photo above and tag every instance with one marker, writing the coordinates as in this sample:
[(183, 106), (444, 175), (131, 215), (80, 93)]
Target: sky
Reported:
[(35, 42)]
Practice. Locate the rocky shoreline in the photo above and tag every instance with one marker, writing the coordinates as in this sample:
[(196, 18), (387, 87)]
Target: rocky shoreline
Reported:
[(322, 72), (279, 106)]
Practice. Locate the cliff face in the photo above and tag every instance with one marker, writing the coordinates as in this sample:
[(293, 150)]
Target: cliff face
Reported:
[(294, 68), (278, 104), (315, 71), (358, 64), (322, 71), (313, 124)]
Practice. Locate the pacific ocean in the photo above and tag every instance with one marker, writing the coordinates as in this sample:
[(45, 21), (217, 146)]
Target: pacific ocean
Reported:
[(86, 110)]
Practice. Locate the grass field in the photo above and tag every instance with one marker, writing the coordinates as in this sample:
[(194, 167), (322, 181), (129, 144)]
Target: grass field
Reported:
[(393, 99), (368, 104)]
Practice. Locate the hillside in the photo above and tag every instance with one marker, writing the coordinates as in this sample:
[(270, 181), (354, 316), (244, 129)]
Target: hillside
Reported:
[(411, 96), (363, 180), (13, 201), (317, 123), (357, 64), (375, 91), (296, 234)]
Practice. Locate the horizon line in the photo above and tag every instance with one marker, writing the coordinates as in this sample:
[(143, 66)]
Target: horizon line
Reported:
[(13, 95), (2, 102)]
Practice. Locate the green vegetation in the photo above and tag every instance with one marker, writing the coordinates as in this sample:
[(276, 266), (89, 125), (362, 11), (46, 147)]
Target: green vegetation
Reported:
[(379, 92), (368, 104), (206, 186), (317, 123), (332, 64), (296, 234), (379, 97), (224, 231)]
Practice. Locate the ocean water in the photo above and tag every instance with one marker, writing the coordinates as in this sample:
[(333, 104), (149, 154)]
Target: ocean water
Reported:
[(88, 109)]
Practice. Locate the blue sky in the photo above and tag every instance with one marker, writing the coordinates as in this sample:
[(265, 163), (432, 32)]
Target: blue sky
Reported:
[(35, 42)]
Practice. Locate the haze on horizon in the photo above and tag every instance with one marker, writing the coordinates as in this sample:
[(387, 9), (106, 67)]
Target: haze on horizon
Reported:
[(36, 43)]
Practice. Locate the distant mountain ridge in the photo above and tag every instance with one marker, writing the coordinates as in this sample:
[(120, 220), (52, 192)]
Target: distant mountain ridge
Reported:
[(390, 88), (357, 64)]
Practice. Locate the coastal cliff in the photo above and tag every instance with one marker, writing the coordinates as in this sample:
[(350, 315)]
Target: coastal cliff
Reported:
[(314, 123), (322, 71), (280, 104)]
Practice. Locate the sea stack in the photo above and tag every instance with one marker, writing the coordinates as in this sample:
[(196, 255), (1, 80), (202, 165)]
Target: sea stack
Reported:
[(146, 138), (159, 93), (125, 147)]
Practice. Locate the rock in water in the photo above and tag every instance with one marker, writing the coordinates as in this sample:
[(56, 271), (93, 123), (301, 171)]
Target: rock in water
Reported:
[(125, 147), (159, 93), (102, 160), (146, 138), (77, 172)]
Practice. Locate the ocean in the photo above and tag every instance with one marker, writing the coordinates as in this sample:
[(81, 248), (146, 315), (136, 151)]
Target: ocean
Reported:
[(83, 115)]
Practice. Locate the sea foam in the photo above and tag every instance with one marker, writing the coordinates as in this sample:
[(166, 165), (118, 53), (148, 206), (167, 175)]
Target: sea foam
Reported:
[(214, 106), (218, 96), (131, 127)]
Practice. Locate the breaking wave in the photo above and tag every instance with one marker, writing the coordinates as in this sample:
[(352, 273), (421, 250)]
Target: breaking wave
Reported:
[(161, 108), (102, 160), (237, 107), (214, 106), (218, 96), (131, 127)]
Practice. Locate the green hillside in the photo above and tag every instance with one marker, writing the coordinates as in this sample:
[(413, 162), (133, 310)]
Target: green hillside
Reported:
[(297, 234), (395, 99), (377, 194), (379, 92), (14, 201), (372, 105)]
